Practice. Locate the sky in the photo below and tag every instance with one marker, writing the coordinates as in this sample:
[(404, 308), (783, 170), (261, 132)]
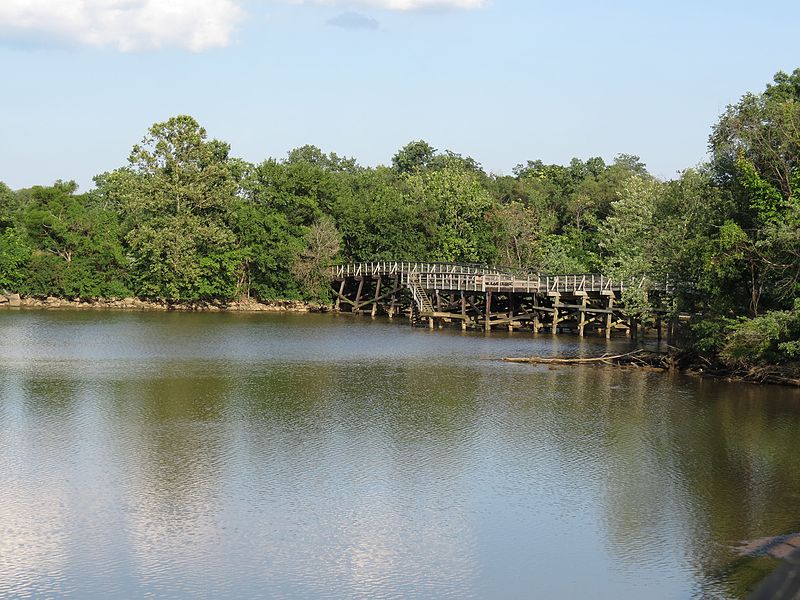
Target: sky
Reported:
[(502, 81)]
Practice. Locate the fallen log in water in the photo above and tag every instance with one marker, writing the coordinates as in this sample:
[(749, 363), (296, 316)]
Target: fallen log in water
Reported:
[(765, 375), (673, 361), (637, 357)]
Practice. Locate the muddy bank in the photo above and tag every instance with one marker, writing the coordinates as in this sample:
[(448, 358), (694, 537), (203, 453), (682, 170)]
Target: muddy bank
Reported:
[(295, 306)]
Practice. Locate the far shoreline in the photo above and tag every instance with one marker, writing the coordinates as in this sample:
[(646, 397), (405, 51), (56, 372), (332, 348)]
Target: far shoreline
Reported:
[(12, 301)]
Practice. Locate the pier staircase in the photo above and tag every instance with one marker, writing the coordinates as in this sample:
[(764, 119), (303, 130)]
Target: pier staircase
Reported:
[(421, 298)]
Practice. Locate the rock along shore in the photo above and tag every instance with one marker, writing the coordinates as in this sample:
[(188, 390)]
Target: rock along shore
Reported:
[(294, 306)]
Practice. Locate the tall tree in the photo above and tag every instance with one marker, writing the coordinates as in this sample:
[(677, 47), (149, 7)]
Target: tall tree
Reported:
[(625, 236), (756, 156), (77, 246), (413, 157), (14, 254), (456, 208), (376, 220), (177, 194), (322, 243), (330, 162)]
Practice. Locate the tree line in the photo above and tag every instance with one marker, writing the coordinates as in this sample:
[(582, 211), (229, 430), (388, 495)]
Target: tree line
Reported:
[(184, 220)]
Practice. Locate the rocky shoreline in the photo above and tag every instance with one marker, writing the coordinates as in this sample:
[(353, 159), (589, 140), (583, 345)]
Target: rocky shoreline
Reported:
[(293, 306)]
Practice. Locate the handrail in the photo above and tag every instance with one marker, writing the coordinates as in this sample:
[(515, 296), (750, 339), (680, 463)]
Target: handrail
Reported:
[(471, 277)]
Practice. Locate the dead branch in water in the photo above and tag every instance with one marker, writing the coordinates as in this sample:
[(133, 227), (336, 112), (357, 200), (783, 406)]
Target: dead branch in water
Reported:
[(674, 361), (572, 361)]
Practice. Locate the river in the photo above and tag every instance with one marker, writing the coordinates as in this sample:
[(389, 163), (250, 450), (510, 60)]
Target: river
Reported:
[(322, 456)]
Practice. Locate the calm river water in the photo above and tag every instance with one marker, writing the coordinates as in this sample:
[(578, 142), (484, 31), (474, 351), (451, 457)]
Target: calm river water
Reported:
[(319, 456)]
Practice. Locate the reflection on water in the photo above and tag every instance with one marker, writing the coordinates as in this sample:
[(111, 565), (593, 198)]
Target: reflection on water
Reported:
[(180, 455)]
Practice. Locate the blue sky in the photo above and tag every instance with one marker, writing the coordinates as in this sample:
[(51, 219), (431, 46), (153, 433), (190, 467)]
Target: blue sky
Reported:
[(503, 81)]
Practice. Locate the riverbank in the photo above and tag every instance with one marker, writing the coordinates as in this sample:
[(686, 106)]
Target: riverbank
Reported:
[(249, 305)]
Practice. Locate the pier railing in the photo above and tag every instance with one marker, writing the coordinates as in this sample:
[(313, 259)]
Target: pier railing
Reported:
[(477, 278), (406, 268)]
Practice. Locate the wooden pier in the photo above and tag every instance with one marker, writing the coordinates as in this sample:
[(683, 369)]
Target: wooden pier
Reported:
[(487, 298)]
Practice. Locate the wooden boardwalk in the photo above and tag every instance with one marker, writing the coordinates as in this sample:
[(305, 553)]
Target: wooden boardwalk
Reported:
[(487, 298)]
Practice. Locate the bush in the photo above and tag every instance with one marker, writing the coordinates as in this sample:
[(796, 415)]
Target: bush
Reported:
[(709, 335), (14, 253), (771, 338)]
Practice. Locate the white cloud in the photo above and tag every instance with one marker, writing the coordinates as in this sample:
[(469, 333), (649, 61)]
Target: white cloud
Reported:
[(129, 25), (405, 5), (134, 25), (426, 4)]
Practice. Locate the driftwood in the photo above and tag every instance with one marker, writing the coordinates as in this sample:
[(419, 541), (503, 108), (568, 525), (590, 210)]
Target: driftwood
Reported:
[(765, 375), (605, 358), (636, 358), (672, 361)]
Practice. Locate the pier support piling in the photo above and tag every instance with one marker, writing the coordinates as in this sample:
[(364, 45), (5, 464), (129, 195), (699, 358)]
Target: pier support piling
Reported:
[(556, 304), (487, 324), (377, 296)]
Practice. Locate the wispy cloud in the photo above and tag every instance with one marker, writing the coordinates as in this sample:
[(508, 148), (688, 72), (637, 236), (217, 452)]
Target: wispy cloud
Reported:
[(427, 4), (402, 5), (353, 20), (128, 25)]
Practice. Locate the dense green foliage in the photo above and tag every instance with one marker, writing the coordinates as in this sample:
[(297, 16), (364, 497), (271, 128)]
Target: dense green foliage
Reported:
[(185, 221), (771, 338)]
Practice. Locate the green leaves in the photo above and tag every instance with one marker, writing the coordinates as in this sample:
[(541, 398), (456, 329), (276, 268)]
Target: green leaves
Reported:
[(75, 246), (183, 257), (176, 197), (269, 243), (455, 207), (413, 157), (771, 338), (763, 197), (14, 254), (322, 243), (626, 235), (377, 221)]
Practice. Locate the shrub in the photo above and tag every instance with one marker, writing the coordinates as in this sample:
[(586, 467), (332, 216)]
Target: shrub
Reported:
[(771, 338)]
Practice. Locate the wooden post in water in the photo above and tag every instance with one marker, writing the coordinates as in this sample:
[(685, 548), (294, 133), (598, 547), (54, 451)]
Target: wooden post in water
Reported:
[(411, 308), (487, 325), (671, 331), (582, 321), (556, 301), (393, 301), (339, 297), (610, 315), (357, 303), (377, 295), (463, 312), (511, 311), (536, 324)]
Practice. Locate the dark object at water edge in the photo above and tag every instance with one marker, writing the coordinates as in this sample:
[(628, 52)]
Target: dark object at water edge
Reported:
[(783, 583), (672, 361)]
